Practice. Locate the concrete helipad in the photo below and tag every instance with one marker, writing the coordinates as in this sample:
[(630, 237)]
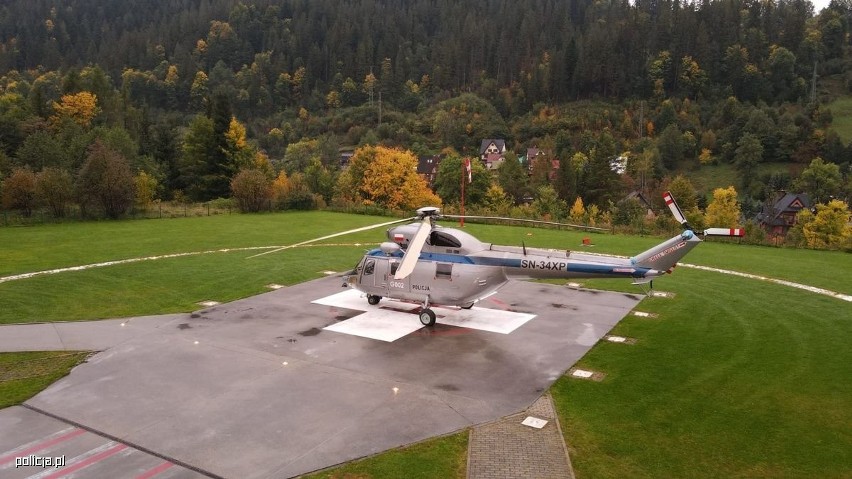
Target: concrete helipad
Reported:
[(265, 387)]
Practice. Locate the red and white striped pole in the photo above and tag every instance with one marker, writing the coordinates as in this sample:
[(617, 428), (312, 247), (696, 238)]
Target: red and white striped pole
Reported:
[(464, 167)]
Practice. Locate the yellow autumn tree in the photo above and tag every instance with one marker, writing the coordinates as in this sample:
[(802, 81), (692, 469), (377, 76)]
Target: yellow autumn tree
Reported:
[(239, 151), (578, 211), (723, 210), (146, 190), (80, 107), (829, 228), (263, 164), (385, 177), (280, 189)]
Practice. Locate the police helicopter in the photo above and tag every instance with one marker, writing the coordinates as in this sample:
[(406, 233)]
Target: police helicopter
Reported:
[(429, 264)]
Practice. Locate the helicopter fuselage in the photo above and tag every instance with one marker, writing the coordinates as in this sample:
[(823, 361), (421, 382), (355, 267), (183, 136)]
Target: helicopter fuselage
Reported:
[(456, 269)]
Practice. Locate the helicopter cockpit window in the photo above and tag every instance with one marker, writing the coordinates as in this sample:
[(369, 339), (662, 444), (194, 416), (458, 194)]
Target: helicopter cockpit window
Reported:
[(358, 266), (370, 267), (439, 238), (394, 266)]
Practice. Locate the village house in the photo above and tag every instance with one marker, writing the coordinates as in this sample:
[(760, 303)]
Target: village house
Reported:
[(491, 147), (779, 216), (492, 153), (427, 167)]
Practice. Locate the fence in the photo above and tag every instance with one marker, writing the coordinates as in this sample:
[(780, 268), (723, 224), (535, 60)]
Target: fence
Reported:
[(158, 210)]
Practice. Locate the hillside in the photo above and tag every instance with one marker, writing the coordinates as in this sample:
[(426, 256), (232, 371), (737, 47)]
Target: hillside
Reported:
[(182, 96)]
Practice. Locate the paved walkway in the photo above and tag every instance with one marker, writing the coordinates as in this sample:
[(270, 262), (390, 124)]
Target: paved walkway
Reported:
[(507, 449), (81, 335)]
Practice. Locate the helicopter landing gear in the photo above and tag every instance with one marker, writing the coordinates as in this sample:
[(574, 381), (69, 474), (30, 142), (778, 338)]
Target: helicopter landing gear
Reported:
[(427, 317), (468, 306), (373, 299)]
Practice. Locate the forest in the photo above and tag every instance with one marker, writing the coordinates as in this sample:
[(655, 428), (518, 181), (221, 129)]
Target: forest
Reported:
[(114, 105)]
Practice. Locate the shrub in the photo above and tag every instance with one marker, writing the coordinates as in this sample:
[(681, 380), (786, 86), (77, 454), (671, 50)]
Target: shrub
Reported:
[(252, 190), (106, 180), (55, 188), (19, 191)]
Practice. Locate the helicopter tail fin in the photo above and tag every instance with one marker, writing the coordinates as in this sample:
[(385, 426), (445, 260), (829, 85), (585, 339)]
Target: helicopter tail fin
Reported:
[(665, 255)]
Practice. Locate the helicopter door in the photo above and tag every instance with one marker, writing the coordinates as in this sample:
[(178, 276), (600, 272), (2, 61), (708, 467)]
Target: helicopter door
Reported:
[(368, 272), (380, 276), (384, 275), (396, 284)]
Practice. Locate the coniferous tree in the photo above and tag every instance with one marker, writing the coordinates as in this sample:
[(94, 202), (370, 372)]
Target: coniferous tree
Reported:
[(219, 165), (513, 179)]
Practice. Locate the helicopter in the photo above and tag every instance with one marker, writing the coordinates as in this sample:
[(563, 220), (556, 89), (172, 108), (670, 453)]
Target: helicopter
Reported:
[(429, 264)]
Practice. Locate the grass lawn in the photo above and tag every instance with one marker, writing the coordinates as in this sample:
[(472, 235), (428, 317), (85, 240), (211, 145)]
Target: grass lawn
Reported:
[(177, 284), (736, 378), (35, 248), (444, 457), (841, 118), (23, 375)]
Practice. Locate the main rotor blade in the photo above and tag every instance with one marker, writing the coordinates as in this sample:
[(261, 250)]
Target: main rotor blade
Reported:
[(724, 232), (675, 209), (412, 254), (356, 230), (523, 220)]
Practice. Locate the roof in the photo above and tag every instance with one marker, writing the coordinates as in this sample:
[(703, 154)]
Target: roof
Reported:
[(533, 152), (500, 144), (789, 203), (640, 197)]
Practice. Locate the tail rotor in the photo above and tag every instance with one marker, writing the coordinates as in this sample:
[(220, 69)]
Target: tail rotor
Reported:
[(679, 216), (675, 209)]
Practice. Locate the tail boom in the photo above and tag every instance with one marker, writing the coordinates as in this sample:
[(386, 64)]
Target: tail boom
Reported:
[(665, 255)]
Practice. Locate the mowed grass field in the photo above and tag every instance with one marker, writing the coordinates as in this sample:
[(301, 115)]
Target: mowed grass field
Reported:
[(735, 378), (841, 117)]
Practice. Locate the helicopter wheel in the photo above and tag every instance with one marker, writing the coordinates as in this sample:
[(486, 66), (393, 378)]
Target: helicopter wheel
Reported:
[(373, 299), (427, 317), (467, 306)]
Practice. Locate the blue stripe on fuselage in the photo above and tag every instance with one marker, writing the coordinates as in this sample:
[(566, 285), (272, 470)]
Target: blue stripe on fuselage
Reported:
[(516, 263), (447, 258)]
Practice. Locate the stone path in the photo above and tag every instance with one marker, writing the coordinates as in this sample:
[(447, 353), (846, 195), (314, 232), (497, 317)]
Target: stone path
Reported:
[(507, 449)]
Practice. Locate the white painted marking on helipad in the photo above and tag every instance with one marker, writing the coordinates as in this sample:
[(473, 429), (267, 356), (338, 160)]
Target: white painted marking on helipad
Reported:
[(534, 422), (812, 289), (37, 445), (484, 319), (383, 325), (662, 294), (390, 320), (15, 277), (783, 282), (83, 459)]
